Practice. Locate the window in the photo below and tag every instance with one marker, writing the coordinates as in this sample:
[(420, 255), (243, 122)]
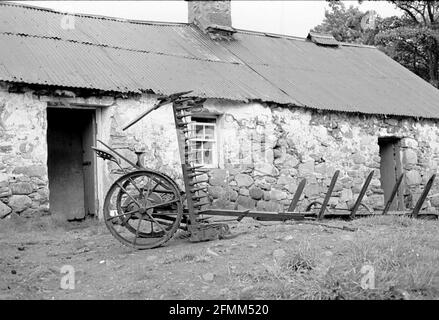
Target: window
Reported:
[(203, 147)]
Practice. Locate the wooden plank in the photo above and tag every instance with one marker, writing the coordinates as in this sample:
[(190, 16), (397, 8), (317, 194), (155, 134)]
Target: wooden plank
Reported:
[(328, 194), (423, 196), (297, 195), (260, 215), (89, 164), (387, 167), (361, 195), (275, 216), (163, 101), (393, 194), (398, 171)]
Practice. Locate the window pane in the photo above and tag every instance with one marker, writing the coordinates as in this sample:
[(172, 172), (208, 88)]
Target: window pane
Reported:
[(208, 157), (209, 133), (208, 152), (199, 157), (199, 131), (207, 145)]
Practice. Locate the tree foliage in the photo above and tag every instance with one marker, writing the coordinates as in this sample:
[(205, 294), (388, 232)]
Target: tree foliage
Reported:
[(345, 24), (411, 39)]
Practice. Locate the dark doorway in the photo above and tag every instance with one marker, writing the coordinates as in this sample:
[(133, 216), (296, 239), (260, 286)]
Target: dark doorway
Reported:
[(390, 169), (71, 162)]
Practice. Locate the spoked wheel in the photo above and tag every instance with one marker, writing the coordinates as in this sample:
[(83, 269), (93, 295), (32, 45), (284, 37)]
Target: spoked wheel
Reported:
[(143, 209)]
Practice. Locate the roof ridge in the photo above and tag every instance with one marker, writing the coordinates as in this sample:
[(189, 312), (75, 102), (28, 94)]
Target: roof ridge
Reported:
[(164, 23), (290, 37), (93, 16), (263, 33)]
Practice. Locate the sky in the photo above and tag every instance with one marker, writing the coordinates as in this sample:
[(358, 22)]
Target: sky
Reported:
[(284, 17)]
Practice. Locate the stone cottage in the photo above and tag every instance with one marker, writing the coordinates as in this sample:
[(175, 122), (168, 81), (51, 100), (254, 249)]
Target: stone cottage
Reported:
[(278, 109)]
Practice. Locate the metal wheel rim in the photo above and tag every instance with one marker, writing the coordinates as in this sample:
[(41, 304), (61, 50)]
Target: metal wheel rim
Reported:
[(162, 237)]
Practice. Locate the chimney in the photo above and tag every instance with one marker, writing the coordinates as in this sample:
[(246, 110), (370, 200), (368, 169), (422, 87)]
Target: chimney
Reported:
[(212, 17)]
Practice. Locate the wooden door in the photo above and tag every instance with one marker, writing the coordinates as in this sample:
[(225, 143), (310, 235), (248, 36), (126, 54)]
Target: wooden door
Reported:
[(89, 165), (390, 169), (66, 182), (71, 162)]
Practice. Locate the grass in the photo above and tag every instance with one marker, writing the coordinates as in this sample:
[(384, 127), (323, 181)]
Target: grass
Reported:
[(285, 261), (403, 252)]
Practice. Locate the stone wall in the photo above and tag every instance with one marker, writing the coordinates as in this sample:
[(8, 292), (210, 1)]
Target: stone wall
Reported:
[(154, 135), (24, 185), (274, 148), (265, 151), (23, 154)]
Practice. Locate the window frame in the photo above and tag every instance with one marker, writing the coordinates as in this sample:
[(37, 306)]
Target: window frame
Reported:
[(214, 123)]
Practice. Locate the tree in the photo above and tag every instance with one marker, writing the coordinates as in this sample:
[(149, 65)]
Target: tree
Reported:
[(404, 46), (345, 24), (412, 39)]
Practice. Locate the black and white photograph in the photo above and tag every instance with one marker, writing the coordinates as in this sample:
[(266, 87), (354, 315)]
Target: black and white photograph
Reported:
[(233, 152)]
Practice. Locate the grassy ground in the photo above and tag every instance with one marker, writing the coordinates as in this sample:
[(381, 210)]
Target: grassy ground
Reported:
[(265, 261), (403, 253)]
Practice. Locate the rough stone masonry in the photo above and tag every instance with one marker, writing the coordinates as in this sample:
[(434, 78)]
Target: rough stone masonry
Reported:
[(300, 143), (23, 155), (264, 151)]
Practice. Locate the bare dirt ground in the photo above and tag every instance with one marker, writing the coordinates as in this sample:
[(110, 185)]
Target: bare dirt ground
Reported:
[(265, 261)]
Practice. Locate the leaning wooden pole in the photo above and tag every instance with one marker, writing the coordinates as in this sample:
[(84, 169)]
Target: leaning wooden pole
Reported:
[(423, 196), (393, 194), (328, 195), (361, 195)]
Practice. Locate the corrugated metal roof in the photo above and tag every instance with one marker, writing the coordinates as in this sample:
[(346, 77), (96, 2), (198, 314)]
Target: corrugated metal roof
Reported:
[(178, 39), (87, 66), (349, 78), (117, 55)]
